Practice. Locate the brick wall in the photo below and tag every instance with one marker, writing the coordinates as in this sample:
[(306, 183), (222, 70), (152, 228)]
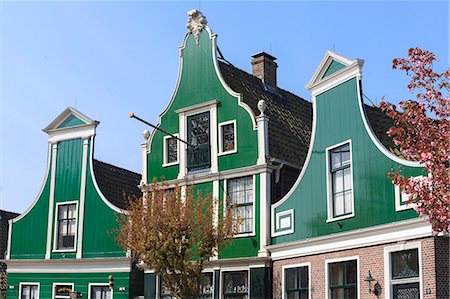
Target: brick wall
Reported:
[(434, 257)]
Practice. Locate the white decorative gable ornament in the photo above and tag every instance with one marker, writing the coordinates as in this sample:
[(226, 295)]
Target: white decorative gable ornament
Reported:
[(196, 23)]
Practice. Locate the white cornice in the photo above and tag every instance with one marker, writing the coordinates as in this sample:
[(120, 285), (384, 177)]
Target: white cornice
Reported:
[(392, 232), (94, 265)]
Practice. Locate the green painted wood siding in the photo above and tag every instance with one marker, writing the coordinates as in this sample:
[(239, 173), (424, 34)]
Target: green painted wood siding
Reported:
[(98, 242), (338, 120), (199, 83), (80, 280), (333, 68)]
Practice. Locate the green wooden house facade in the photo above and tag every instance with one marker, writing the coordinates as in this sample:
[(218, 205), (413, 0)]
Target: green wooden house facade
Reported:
[(61, 245), (309, 179)]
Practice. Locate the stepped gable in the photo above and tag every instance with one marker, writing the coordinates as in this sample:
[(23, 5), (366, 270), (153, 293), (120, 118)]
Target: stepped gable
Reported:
[(117, 184), (290, 116)]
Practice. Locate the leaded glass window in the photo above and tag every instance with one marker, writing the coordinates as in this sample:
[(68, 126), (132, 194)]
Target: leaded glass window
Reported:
[(405, 275), (341, 180), (66, 226), (343, 280), (297, 283), (29, 291), (199, 151), (235, 285), (228, 138), (240, 193), (172, 150)]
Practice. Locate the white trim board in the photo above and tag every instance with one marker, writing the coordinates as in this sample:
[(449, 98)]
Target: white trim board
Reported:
[(392, 232), (93, 265)]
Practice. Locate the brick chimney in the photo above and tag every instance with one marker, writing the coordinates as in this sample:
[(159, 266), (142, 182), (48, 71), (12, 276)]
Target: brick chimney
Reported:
[(265, 68)]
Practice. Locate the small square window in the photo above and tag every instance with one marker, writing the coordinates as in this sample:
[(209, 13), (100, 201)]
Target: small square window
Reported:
[(170, 150), (100, 292), (63, 291), (29, 291)]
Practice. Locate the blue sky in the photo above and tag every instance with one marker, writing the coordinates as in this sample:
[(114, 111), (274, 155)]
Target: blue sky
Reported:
[(110, 58)]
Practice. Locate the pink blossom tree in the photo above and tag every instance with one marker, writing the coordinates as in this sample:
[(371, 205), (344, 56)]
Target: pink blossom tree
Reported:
[(422, 133)]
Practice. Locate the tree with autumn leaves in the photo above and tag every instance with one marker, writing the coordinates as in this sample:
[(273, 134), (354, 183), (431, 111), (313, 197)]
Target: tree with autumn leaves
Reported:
[(422, 133), (175, 232)]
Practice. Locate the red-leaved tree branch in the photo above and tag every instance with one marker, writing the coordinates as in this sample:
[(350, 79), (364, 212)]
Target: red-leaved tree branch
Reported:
[(422, 133)]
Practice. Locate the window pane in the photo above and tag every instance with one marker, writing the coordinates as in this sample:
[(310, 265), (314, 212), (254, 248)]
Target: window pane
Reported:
[(228, 137), (406, 291), (335, 160), (351, 293), (338, 181), (235, 283), (172, 150), (291, 278), (339, 204), (345, 154), (304, 277), (337, 294), (351, 272), (347, 178), (337, 274), (100, 292), (405, 264), (348, 202), (71, 211)]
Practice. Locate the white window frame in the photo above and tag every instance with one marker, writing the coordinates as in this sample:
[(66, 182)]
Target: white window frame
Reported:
[(98, 284), (183, 114), (166, 153), (61, 283), (330, 205), (55, 231), (401, 198), (387, 267), (283, 277), (225, 195), (338, 260), (221, 125), (29, 284), (279, 230), (233, 269)]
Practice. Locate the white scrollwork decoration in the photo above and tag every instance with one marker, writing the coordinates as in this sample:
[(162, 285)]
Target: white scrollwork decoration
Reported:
[(196, 23)]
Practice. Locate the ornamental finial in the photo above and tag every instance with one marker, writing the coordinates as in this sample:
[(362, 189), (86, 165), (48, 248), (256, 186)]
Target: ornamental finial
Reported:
[(262, 106), (196, 23)]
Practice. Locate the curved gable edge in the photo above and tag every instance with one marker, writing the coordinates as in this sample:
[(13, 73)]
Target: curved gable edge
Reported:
[(241, 103), (349, 72), (44, 182), (94, 181)]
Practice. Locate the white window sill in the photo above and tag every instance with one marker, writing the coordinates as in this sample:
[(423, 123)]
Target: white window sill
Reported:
[(170, 164), (244, 235), (64, 250), (227, 153), (340, 217)]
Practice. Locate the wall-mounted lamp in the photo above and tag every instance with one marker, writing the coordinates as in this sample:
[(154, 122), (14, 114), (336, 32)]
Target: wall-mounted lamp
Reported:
[(376, 288)]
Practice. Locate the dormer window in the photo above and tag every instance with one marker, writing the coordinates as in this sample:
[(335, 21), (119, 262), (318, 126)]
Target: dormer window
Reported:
[(198, 133)]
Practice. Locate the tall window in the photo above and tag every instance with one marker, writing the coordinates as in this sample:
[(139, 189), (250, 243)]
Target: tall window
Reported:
[(206, 286), (199, 153), (66, 226), (342, 277), (235, 285), (100, 292), (341, 180), (240, 192), (405, 277), (297, 283), (29, 291), (170, 150)]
